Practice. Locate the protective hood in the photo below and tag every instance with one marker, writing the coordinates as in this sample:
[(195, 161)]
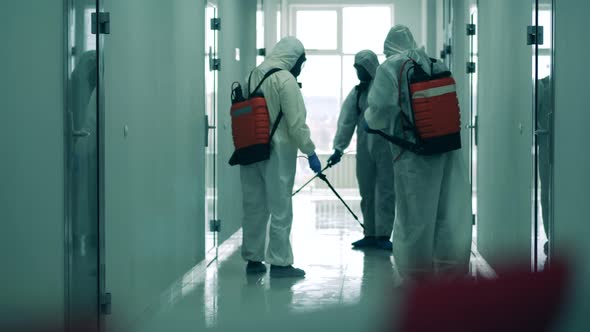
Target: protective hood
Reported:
[(368, 60), (285, 54), (399, 40)]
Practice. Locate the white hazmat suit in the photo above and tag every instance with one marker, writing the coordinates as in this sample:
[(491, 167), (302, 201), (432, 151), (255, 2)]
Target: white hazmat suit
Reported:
[(374, 159), (267, 185), (432, 231)]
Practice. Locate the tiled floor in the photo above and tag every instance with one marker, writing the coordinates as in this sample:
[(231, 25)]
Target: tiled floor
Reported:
[(343, 286)]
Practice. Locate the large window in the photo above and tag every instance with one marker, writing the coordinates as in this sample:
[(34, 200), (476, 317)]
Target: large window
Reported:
[(332, 35)]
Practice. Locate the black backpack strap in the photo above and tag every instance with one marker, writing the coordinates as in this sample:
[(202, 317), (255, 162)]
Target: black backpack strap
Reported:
[(276, 125), (249, 79), (267, 75)]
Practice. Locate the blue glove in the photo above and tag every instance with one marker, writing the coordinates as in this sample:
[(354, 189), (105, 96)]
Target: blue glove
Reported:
[(314, 163), (335, 157)]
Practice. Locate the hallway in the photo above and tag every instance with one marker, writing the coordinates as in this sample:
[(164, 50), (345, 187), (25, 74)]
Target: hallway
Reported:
[(119, 209), (338, 277)]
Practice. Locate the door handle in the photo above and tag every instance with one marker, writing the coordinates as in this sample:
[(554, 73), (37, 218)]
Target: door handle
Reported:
[(207, 128), (81, 133), (541, 132)]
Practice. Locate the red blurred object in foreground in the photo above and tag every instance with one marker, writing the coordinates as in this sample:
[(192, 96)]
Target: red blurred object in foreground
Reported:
[(518, 300)]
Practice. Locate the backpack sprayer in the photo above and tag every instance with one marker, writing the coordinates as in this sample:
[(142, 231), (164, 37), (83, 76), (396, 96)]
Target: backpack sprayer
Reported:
[(323, 177)]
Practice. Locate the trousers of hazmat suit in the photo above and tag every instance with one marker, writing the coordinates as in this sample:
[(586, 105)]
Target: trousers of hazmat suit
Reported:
[(267, 185), (432, 231), (374, 159)]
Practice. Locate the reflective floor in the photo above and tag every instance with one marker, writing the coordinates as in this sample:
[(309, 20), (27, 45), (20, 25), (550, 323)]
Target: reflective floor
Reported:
[(343, 286)]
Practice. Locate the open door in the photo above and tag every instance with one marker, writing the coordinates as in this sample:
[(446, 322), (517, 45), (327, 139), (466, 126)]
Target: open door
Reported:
[(83, 235), (212, 223), (472, 72), (543, 131)]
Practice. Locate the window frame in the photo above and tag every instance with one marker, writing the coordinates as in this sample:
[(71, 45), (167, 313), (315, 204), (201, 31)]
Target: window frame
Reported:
[(339, 51)]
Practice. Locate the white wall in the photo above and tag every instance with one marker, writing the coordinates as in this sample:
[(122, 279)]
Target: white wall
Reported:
[(32, 160), (572, 160), (154, 190), (505, 131), (238, 30)]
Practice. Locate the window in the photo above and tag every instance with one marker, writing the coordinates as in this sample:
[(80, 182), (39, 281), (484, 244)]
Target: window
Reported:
[(259, 34), (317, 29), (332, 35), (365, 28)]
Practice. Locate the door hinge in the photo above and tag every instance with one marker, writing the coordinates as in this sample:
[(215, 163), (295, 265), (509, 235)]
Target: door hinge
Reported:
[(471, 30), (535, 35), (473, 219), (215, 225), (102, 21), (262, 51), (106, 304), (214, 64), (471, 68), (216, 23), (448, 49)]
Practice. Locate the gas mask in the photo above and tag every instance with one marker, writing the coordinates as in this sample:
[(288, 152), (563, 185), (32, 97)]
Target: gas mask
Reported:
[(296, 70), (363, 74)]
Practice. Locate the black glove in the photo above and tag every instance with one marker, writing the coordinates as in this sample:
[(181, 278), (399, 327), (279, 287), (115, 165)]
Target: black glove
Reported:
[(335, 157)]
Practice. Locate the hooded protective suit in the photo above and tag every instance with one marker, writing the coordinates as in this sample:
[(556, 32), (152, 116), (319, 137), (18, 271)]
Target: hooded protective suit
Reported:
[(267, 185), (432, 231), (374, 159)]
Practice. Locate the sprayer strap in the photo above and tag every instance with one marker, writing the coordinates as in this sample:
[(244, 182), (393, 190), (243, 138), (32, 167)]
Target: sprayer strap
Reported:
[(402, 143), (267, 75)]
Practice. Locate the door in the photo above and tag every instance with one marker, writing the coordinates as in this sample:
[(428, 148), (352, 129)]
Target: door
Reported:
[(543, 132), (82, 179), (472, 72), (212, 223)]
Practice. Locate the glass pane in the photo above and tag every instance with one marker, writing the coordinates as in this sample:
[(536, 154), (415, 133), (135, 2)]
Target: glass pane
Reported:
[(278, 25), (318, 29), (211, 149), (82, 163), (349, 77), (545, 21), (544, 128), (321, 90), (349, 81), (259, 29), (365, 28)]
